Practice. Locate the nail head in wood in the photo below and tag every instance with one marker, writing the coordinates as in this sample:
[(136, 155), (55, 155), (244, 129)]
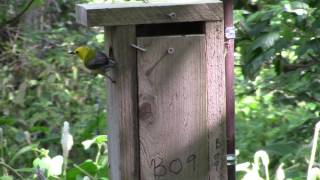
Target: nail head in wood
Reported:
[(171, 51), (172, 15)]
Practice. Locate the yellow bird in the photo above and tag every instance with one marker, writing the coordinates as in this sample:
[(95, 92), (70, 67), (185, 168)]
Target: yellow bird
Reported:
[(96, 61)]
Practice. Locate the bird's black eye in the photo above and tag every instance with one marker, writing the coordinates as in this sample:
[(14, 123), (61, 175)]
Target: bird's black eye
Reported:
[(77, 52)]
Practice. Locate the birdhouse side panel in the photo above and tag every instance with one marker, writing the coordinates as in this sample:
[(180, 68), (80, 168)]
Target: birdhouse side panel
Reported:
[(216, 93), (123, 141)]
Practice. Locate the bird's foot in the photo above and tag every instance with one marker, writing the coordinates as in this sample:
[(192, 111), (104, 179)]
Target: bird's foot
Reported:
[(113, 81)]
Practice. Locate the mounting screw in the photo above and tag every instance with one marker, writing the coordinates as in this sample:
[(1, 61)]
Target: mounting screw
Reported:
[(171, 50), (139, 48), (172, 15)]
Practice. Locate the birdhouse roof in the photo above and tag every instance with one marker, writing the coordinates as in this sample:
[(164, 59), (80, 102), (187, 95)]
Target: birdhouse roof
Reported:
[(131, 13)]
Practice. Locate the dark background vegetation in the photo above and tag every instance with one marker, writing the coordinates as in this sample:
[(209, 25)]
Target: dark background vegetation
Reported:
[(41, 85)]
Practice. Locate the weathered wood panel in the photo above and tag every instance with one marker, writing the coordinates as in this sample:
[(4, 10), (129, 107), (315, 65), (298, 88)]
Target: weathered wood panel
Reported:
[(111, 14), (122, 106), (216, 99), (173, 108)]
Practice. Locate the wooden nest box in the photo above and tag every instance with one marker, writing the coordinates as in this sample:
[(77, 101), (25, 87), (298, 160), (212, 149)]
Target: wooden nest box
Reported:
[(166, 111)]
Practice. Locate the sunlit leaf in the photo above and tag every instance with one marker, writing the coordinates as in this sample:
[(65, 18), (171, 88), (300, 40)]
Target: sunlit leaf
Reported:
[(6, 178), (266, 41), (87, 143), (101, 139)]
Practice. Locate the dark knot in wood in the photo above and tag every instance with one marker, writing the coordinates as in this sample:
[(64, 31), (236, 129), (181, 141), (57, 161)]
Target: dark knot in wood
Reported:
[(145, 111)]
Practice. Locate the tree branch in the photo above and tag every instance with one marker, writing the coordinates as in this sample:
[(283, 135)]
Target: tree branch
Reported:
[(11, 169), (313, 57), (292, 67), (16, 18)]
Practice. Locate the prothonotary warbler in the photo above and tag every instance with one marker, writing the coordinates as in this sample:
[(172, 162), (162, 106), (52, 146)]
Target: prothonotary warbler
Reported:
[(96, 61)]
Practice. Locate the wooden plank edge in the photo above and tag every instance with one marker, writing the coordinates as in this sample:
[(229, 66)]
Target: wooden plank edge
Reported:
[(81, 15), (216, 94), (85, 12), (119, 5)]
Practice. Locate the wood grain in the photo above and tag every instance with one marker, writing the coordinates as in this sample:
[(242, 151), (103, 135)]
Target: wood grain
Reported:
[(112, 14), (172, 108), (216, 93), (122, 106)]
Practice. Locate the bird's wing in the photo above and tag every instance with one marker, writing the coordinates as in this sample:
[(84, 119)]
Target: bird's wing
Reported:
[(100, 61)]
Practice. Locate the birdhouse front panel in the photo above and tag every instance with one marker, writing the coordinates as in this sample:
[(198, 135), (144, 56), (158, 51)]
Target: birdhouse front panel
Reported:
[(172, 108)]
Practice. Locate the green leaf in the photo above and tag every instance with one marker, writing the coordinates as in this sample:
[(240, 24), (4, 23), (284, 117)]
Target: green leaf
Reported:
[(6, 178), (257, 16), (87, 143), (26, 170), (36, 4), (22, 151), (103, 172), (42, 163), (101, 139), (6, 121), (297, 7), (88, 166), (238, 15), (100, 38), (281, 149), (266, 41), (90, 127), (251, 69)]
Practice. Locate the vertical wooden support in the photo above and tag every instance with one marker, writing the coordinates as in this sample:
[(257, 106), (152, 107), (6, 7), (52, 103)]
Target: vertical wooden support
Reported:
[(216, 99), (122, 106)]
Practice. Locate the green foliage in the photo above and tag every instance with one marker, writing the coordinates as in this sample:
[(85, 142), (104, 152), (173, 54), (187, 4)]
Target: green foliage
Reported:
[(277, 88), (41, 86), (277, 91)]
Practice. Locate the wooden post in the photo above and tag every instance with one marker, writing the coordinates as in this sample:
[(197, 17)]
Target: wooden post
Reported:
[(216, 99), (166, 111), (122, 106)]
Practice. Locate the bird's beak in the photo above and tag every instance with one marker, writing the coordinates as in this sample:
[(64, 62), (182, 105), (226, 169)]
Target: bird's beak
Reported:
[(71, 52)]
